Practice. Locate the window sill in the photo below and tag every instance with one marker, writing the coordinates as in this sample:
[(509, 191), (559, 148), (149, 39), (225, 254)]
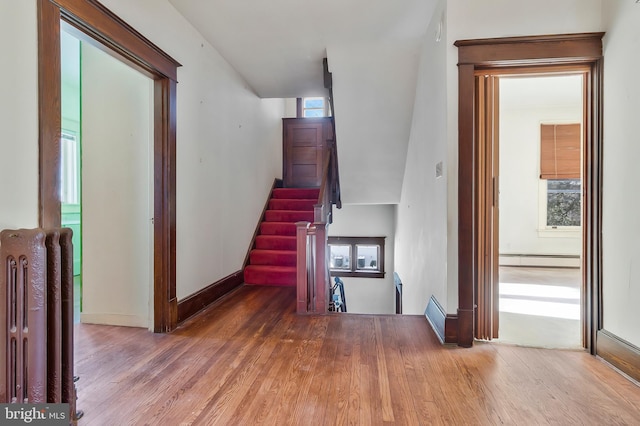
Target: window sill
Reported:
[(361, 274), (563, 232)]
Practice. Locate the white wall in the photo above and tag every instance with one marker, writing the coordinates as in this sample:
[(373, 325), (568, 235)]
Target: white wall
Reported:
[(117, 190), (621, 199), (525, 103), (373, 86), (18, 115), (229, 148), (368, 295), (421, 233), (290, 108)]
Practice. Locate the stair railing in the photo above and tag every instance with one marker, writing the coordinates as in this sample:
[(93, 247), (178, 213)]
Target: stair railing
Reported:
[(313, 280), (313, 277)]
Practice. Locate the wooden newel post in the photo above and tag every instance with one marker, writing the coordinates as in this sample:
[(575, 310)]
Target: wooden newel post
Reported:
[(321, 290), (302, 294)]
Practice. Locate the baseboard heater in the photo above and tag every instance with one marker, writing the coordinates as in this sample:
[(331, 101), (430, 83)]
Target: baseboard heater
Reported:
[(543, 260), (36, 317)]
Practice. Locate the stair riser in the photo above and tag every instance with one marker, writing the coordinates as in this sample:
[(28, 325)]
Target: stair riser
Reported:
[(269, 278), (286, 204), (287, 216), (275, 243), (273, 258), (277, 228), (308, 193)]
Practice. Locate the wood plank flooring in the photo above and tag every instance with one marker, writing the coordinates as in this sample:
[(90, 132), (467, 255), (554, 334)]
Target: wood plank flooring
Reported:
[(250, 360)]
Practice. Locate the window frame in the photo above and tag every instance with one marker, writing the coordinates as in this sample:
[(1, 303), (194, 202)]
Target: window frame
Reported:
[(353, 270), (300, 113), (544, 230)]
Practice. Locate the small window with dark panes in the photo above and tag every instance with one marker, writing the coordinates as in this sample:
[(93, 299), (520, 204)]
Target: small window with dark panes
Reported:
[(356, 256)]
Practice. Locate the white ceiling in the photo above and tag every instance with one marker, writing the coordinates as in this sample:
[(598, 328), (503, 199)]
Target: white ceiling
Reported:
[(546, 90), (278, 45)]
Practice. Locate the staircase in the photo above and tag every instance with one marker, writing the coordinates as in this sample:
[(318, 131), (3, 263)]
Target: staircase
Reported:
[(272, 261)]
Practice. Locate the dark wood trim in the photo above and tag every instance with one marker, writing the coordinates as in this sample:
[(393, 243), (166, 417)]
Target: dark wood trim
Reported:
[(530, 54), (530, 50), (277, 183), (445, 326), (93, 19), (164, 206), (191, 305), (592, 241), (49, 110), (107, 28), (451, 329), (342, 274), (299, 108), (467, 231), (619, 353)]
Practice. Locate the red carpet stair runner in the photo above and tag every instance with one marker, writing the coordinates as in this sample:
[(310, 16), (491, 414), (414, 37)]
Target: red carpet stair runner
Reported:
[(273, 258)]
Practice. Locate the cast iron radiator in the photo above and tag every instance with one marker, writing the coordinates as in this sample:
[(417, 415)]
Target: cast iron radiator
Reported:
[(36, 317)]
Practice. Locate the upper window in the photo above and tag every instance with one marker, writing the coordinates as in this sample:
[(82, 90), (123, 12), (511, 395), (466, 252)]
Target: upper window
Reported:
[(560, 151), (560, 164), (314, 107), (357, 256)]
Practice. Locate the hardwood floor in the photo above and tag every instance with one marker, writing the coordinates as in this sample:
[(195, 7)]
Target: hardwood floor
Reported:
[(251, 360)]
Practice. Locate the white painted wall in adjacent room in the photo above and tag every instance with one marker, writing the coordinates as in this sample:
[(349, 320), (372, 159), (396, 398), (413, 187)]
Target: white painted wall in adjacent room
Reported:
[(117, 190), (368, 295), (18, 115), (421, 233), (621, 199), (524, 105), (229, 148)]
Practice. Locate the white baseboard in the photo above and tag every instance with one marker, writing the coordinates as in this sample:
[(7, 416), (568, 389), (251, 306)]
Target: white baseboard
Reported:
[(123, 320), (540, 260)]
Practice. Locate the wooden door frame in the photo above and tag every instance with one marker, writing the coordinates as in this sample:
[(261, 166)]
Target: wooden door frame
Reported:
[(111, 34), (487, 159), (531, 52)]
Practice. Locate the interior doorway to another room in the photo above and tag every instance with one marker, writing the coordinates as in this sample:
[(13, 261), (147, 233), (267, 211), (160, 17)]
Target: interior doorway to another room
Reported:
[(540, 118), (531, 138), (106, 183)]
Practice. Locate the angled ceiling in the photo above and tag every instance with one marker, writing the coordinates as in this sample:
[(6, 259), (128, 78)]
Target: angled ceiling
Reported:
[(278, 45)]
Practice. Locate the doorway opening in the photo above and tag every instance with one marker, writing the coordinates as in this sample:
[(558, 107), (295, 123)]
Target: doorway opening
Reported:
[(479, 62), (104, 30), (106, 184), (540, 133)]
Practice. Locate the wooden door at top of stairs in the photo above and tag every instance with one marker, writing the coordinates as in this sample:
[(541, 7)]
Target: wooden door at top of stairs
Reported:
[(304, 142)]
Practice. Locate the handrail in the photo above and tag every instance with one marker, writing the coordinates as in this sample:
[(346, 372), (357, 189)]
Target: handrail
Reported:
[(313, 277)]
